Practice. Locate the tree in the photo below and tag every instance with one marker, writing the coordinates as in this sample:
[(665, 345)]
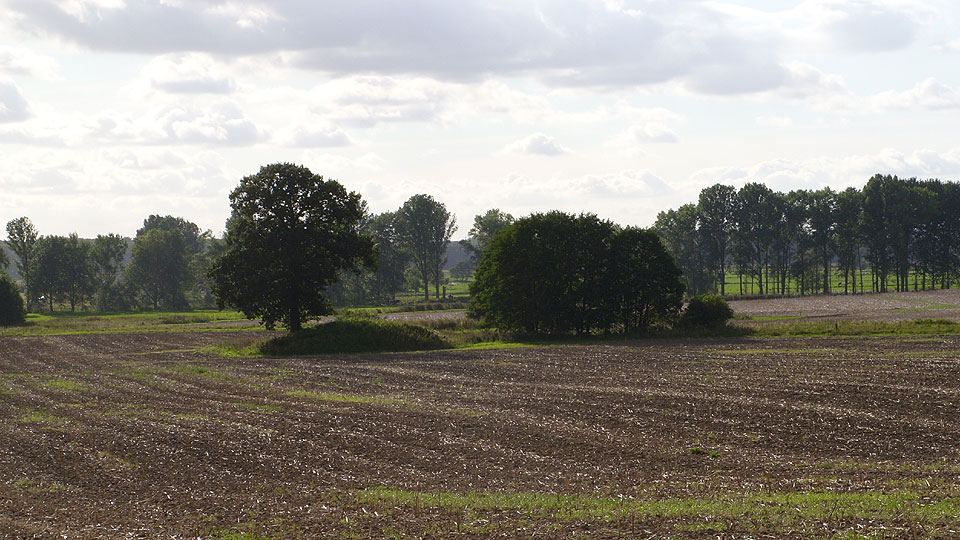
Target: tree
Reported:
[(12, 309), (289, 234), (425, 227), (60, 270), (484, 227), (716, 207), (680, 232), (555, 273), (106, 259), (22, 237), (159, 268)]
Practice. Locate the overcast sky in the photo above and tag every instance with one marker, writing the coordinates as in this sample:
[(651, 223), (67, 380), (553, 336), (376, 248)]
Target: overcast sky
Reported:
[(111, 110)]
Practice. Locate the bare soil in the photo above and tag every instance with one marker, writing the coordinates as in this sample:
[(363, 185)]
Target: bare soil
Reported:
[(144, 436), (902, 306)]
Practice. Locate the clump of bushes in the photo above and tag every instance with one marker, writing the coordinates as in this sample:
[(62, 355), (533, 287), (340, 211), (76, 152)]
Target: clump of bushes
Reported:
[(356, 335), (706, 311), (12, 309)]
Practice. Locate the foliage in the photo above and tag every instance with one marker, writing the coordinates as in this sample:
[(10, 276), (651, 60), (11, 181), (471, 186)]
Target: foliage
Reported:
[(425, 227), (462, 270), (485, 226), (555, 273), (60, 270), (375, 286), (355, 336), (13, 311), (706, 311), (22, 237), (289, 235), (158, 268), (106, 260)]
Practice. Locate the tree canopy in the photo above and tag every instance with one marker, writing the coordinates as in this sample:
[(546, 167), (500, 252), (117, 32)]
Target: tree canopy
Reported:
[(288, 236), (425, 228), (555, 273)]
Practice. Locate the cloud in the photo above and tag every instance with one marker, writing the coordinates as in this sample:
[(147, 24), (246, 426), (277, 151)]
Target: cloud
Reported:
[(869, 26), (13, 106), (537, 144), (563, 43), (187, 74), (835, 172), (930, 94), (317, 134), (774, 121), (23, 61)]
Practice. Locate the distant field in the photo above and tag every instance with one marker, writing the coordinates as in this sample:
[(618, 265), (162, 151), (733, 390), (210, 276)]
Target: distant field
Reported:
[(143, 435), (903, 306)]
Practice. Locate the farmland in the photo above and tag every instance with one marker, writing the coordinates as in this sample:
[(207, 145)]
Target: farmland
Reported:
[(149, 435)]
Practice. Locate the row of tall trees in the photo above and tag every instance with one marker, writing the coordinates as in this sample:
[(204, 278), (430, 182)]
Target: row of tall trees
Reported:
[(164, 266), (902, 233)]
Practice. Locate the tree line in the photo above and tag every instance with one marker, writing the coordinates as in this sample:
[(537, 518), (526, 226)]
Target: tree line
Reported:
[(167, 265), (164, 266), (898, 233)]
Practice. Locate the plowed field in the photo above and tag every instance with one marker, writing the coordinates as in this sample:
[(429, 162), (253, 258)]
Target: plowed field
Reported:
[(146, 436)]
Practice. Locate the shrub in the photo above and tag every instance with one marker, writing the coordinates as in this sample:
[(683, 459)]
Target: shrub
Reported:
[(706, 311), (12, 309), (356, 336)]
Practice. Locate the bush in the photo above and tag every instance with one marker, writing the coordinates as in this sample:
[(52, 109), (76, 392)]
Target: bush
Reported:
[(12, 309), (356, 336), (706, 311)]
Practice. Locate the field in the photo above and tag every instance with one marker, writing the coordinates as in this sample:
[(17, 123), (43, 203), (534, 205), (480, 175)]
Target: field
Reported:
[(150, 435)]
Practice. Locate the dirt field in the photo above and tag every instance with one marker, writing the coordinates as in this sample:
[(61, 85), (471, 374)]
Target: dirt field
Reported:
[(882, 307), (142, 436)]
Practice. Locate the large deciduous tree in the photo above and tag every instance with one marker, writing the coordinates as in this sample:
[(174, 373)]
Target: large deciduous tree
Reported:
[(289, 235), (426, 226)]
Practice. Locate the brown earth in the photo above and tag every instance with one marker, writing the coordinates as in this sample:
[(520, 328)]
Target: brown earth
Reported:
[(143, 436), (902, 306)]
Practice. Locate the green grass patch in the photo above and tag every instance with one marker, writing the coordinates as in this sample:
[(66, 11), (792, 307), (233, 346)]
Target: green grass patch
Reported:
[(931, 306), (66, 323), (356, 336), (697, 451), (43, 418), (346, 398), (772, 509), (859, 328), (65, 385)]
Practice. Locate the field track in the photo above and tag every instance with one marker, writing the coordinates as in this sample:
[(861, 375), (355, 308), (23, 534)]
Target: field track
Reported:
[(147, 436)]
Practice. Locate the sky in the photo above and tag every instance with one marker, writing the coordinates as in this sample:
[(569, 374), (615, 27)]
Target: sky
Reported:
[(112, 110)]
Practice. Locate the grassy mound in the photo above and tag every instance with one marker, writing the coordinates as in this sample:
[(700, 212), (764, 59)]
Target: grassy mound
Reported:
[(356, 336)]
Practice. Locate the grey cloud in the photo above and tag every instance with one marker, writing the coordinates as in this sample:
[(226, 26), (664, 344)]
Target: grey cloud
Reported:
[(13, 106), (868, 26), (196, 86), (562, 42)]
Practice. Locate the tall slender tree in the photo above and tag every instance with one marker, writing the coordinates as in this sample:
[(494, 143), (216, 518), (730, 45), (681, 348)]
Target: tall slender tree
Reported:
[(22, 238), (426, 227)]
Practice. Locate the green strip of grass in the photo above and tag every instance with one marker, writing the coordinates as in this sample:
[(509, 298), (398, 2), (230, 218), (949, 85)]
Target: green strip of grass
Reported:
[(773, 508), (346, 398)]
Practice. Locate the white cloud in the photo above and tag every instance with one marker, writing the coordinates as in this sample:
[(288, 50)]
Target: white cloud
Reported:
[(836, 172), (774, 121), (23, 61), (930, 94), (188, 74), (338, 166), (13, 106), (312, 135), (537, 144)]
